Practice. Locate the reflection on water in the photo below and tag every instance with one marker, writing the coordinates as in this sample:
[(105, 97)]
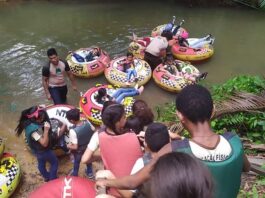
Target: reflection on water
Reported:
[(30, 28)]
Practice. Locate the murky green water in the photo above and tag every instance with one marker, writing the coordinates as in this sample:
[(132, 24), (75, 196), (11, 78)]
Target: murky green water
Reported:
[(28, 29)]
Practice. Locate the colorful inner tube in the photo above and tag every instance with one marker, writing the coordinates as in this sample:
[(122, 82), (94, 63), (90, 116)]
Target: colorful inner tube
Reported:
[(10, 173), (2, 147), (157, 31), (91, 68), (137, 48), (192, 54), (66, 187), (92, 109), (117, 77), (170, 82)]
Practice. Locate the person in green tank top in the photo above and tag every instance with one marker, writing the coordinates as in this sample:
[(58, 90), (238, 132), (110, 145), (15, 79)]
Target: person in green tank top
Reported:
[(222, 154)]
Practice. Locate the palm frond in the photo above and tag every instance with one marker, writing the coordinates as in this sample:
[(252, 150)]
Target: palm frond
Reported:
[(239, 102)]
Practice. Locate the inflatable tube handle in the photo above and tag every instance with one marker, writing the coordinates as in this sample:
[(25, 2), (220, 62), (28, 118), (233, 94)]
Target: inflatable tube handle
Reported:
[(84, 100)]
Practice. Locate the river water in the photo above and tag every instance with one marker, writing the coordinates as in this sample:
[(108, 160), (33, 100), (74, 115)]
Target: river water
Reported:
[(28, 29)]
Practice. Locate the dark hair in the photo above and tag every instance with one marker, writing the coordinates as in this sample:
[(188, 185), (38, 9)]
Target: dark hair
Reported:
[(101, 93), (133, 123), (24, 119), (111, 115), (143, 112), (106, 104), (180, 175), (167, 34), (156, 136), (169, 57), (73, 114), (129, 54), (195, 103), (51, 52)]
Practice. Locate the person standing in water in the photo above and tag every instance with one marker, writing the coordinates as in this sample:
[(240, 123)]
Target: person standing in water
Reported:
[(53, 78)]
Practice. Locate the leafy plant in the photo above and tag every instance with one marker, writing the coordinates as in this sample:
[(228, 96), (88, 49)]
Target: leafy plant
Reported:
[(166, 113), (244, 83)]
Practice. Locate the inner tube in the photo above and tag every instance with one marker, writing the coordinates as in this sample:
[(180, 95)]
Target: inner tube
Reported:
[(137, 47), (92, 109), (192, 54), (117, 77), (67, 187), (2, 147), (170, 82), (10, 174), (157, 31), (87, 69)]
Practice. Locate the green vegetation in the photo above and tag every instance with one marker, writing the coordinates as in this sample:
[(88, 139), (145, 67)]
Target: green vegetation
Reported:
[(247, 124)]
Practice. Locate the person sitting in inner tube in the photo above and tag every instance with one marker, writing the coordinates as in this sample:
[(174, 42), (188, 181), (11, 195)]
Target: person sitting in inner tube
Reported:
[(128, 67), (119, 94), (199, 43), (182, 39), (170, 26), (35, 121), (174, 68), (92, 55), (102, 96)]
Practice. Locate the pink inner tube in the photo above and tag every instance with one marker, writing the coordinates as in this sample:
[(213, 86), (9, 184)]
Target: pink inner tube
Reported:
[(68, 187)]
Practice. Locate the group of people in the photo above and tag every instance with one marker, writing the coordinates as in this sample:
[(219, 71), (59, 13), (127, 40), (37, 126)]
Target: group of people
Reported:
[(141, 157)]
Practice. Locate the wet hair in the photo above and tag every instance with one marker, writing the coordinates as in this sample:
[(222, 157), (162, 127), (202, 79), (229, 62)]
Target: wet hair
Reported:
[(51, 52), (101, 93), (168, 35), (181, 175), (195, 103), (156, 136), (111, 115), (129, 54), (143, 112), (73, 114), (26, 118)]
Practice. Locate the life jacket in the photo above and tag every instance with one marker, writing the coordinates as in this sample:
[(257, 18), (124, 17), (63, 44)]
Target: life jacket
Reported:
[(83, 133), (227, 173), (34, 145)]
